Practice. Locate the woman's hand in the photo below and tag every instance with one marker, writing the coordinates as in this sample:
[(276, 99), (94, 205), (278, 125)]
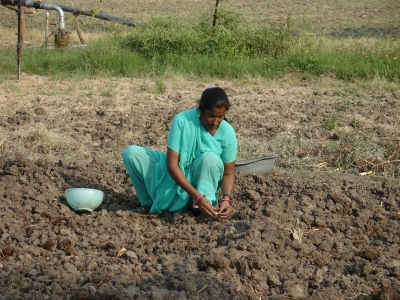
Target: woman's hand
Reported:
[(206, 208), (224, 210)]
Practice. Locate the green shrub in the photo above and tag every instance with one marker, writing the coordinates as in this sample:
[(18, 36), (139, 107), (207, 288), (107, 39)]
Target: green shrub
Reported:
[(229, 39)]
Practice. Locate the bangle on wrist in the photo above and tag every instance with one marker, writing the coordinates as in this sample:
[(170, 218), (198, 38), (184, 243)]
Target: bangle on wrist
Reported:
[(225, 199), (198, 199), (226, 196)]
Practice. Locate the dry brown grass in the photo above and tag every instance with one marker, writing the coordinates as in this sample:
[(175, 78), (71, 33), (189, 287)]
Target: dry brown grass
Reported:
[(284, 116)]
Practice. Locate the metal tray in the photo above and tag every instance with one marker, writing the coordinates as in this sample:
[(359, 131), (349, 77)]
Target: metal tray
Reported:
[(258, 165)]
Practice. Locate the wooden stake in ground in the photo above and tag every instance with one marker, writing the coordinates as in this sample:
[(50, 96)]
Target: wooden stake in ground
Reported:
[(21, 27), (215, 15), (78, 30)]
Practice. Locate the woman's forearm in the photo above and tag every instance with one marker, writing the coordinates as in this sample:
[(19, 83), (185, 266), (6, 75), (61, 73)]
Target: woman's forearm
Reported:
[(178, 175), (180, 178), (227, 184), (228, 179)]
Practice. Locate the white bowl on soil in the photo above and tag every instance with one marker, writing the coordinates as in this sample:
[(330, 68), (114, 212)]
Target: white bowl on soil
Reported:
[(84, 199)]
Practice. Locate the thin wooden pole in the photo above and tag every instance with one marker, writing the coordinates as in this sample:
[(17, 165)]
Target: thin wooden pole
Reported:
[(46, 31), (78, 30), (215, 16), (20, 37)]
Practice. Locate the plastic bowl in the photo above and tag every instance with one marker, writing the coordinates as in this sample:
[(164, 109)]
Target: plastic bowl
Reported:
[(83, 199)]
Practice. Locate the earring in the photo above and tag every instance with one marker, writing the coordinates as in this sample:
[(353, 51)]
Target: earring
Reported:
[(199, 114)]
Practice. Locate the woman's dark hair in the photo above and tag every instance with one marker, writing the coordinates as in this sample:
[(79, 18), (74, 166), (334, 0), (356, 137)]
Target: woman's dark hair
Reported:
[(213, 97)]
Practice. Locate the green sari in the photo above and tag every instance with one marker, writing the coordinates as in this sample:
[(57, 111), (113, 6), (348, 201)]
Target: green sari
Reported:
[(201, 160)]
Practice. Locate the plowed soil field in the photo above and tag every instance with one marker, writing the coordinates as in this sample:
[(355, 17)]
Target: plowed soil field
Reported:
[(320, 232)]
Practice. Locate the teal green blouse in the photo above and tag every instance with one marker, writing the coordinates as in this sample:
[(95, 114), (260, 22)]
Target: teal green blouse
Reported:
[(189, 138)]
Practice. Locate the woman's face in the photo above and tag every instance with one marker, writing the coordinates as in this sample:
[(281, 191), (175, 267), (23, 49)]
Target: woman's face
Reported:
[(211, 118)]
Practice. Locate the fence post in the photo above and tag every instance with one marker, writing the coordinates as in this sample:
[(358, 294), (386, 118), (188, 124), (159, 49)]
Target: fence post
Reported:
[(21, 26)]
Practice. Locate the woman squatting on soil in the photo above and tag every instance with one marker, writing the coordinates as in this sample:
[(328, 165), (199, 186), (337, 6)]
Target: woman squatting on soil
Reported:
[(199, 162)]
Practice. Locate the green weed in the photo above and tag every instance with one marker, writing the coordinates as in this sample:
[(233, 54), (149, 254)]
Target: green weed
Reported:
[(107, 93), (331, 122), (70, 152), (343, 104), (160, 87)]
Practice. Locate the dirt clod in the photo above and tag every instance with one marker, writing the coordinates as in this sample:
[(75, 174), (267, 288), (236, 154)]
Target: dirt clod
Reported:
[(372, 253), (111, 245), (7, 251), (65, 244), (80, 268), (50, 244)]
